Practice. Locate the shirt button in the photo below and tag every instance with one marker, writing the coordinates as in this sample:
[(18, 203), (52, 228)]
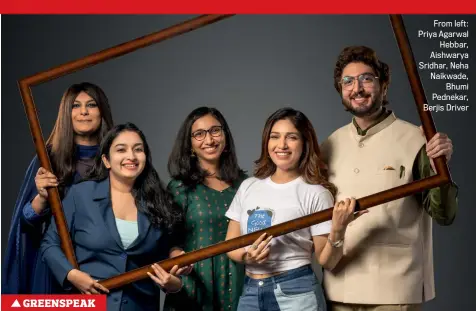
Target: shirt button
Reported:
[(356, 170), (260, 283), (124, 301), (361, 145), (229, 273), (229, 290)]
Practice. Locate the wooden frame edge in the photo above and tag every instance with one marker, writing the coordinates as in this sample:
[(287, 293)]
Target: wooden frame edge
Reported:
[(70, 67), (442, 177)]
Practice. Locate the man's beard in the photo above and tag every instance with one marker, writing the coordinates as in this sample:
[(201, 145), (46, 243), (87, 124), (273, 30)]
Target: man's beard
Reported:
[(363, 111)]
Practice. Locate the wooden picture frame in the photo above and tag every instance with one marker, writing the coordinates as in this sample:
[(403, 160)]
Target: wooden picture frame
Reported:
[(442, 175)]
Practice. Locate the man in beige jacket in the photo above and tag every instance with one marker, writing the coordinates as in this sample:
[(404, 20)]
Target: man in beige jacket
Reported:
[(387, 261)]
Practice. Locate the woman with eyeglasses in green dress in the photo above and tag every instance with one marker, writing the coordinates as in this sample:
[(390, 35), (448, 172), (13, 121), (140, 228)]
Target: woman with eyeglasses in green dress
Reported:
[(205, 176)]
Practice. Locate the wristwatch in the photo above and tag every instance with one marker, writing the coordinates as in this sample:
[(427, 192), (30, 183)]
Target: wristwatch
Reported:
[(336, 244)]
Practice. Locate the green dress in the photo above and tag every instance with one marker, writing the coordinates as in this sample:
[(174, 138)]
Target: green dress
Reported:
[(216, 283)]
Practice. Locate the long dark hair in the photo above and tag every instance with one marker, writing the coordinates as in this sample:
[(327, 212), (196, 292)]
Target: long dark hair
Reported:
[(182, 166), (148, 191), (60, 144), (311, 167)]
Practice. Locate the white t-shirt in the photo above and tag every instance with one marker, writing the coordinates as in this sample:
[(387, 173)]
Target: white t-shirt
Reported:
[(261, 203)]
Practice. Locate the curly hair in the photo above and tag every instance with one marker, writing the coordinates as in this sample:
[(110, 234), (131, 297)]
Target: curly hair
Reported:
[(361, 54)]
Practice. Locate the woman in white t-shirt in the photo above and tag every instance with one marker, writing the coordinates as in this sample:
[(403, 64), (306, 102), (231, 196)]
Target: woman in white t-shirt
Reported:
[(288, 183)]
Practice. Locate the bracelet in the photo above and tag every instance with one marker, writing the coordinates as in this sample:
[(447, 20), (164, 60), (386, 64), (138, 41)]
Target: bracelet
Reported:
[(336, 244)]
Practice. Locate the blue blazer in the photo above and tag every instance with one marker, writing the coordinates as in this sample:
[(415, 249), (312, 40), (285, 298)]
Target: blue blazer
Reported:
[(99, 250)]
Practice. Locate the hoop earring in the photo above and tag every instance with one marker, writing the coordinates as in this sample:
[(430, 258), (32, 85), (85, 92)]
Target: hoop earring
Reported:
[(192, 153)]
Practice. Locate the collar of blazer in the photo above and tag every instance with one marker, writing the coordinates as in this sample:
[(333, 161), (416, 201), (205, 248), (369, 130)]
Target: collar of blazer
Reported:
[(102, 196)]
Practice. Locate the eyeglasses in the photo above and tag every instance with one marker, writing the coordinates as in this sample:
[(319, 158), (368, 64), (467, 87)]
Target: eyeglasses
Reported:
[(215, 131), (366, 79)]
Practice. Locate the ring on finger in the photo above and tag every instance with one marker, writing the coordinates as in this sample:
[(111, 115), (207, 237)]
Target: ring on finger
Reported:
[(254, 246)]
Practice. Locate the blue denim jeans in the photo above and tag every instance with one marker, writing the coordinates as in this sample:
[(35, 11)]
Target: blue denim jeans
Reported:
[(294, 290)]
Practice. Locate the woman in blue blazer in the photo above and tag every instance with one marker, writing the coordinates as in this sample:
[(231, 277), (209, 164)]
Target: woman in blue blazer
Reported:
[(119, 220)]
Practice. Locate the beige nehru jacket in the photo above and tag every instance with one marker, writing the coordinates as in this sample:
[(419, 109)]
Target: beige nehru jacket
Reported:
[(388, 251)]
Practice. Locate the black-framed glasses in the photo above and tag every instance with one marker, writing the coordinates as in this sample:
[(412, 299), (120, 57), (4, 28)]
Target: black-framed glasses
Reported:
[(215, 131), (366, 79)]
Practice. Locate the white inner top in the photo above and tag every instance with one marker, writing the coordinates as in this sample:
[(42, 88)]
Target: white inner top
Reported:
[(128, 231)]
